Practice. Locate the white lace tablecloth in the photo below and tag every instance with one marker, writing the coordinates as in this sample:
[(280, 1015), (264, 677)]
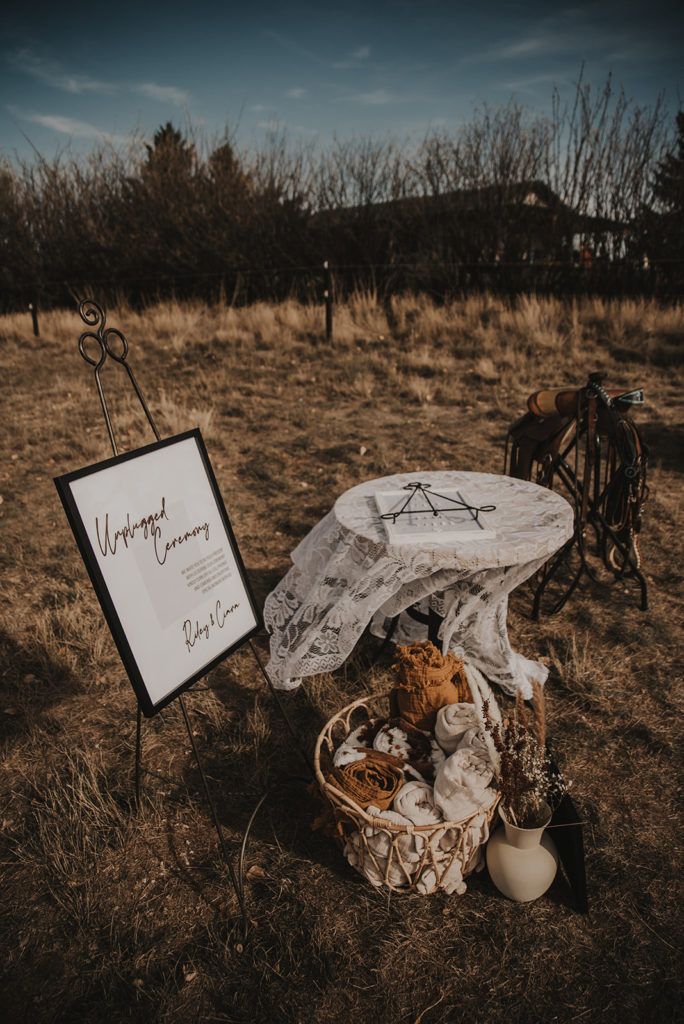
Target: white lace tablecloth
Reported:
[(345, 575)]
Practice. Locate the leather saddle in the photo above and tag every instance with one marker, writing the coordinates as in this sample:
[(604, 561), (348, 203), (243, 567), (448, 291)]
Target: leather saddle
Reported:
[(608, 481), (540, 434), (535, 437), (563, 401)]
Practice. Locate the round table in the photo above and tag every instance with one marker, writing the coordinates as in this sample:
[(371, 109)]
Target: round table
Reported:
[(346, 575)]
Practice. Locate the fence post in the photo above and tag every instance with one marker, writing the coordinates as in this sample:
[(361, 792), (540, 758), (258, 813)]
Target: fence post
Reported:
[(33, 307), (328, 296)]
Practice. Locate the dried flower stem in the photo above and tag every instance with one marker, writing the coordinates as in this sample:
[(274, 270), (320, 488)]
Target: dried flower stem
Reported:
[(527, 781)]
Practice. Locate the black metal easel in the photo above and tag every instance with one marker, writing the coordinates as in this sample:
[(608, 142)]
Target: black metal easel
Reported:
[(106, 339)]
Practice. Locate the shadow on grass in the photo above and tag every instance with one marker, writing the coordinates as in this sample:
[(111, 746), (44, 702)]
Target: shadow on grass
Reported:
[(32, 682), (666, 444), (263, 581)]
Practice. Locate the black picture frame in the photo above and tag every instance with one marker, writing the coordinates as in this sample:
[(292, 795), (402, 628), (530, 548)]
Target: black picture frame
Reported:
[(63, 482)]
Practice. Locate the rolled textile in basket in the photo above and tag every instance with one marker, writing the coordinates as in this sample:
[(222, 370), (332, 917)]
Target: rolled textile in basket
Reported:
[(452, 723), (416, 801), (474, 739), (375, 779), (413, 746), (450, 878), (473, 836), (382, 856), (460, 784), (427, 681)]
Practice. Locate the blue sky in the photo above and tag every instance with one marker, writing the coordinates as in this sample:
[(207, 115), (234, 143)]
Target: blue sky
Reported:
[(75, 73)]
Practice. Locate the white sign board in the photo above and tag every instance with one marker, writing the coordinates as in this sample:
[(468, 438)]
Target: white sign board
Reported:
[(156, 539)]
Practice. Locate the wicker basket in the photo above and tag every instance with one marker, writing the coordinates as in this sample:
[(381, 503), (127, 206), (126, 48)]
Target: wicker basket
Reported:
[(404, 858)]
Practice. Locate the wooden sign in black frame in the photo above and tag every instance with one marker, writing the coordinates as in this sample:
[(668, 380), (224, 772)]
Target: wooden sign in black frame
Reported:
[(104, 596)]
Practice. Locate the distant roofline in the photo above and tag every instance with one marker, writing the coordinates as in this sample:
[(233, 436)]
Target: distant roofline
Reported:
[(513, 194)]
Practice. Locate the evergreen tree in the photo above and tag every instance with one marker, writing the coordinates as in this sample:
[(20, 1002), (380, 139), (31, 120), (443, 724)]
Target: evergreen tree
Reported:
[(669, 179), (663, 229), (163, 200), (169, 155)]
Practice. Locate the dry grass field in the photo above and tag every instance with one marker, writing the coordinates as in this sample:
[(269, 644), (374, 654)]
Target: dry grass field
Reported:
[(111, 915)]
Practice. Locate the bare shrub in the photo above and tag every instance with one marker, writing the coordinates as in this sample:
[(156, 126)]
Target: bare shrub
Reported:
[(182, 215)]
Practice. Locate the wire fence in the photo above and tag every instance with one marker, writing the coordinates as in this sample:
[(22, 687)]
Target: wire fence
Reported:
[(330, 283)]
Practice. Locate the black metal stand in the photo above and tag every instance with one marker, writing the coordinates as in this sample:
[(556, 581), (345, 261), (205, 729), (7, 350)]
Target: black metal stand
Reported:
[(606, 486), (569, 477), (104, 339), (138, 754), (217, 824)]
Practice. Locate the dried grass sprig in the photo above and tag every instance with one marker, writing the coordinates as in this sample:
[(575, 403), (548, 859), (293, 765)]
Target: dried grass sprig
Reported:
[(539, 713), (528, 781)]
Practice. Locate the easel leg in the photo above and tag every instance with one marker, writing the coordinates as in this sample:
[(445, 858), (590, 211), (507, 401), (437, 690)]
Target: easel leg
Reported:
[(138, 756), (283, 712), (217, 823)]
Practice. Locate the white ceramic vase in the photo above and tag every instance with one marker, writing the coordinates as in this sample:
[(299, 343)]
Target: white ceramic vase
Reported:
[(522, 862)]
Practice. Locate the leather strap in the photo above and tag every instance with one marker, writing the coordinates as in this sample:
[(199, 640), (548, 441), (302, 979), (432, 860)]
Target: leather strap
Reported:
[(589, 457)]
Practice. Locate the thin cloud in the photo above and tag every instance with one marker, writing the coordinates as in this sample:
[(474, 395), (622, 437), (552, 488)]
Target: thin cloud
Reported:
[(356, 57), (67, 126), (528, 46), (352, 60), (374, 98), (52, 74), (573, 31), (531, 84), (164, 93), (296, 93), (293, 47)]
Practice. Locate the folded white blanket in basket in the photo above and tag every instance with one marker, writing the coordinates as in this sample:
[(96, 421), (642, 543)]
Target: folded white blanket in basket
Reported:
[(451, 879), (475, 834), (453, 722), (371, 853), (474, 739), (460, 784), (416, 801), (482, 692)]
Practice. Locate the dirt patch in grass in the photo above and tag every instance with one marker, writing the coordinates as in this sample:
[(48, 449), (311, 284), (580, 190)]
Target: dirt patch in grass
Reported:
[(108, 914)]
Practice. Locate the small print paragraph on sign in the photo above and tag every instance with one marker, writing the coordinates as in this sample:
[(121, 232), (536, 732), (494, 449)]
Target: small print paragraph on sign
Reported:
[(206, 573)]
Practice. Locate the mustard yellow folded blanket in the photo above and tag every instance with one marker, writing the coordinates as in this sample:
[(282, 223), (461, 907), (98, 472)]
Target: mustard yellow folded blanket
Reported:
[(427, 681), (375, 779)]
